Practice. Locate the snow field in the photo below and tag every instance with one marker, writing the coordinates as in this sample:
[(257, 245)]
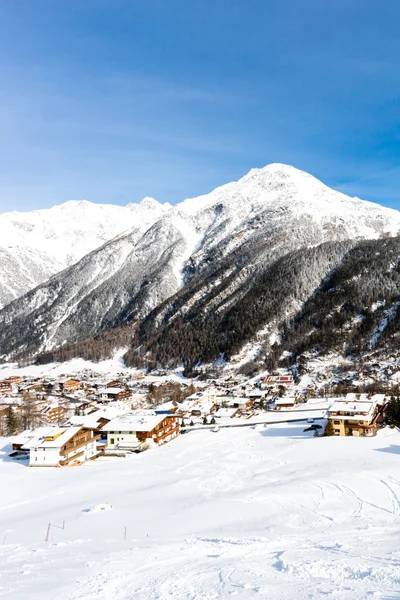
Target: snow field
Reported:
[(241, 513)]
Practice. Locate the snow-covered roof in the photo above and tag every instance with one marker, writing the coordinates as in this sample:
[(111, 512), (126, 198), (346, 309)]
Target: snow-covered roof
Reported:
[(225, 412), (170, 405), (111, 390), (378, 398), (64, 434), (134, 422), (285, 400), (352, 407), (37, 440), (353, 397), (91, 421), (25, 437)]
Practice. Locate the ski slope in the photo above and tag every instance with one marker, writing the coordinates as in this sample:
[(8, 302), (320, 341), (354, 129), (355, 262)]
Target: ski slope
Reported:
[(244, 513)]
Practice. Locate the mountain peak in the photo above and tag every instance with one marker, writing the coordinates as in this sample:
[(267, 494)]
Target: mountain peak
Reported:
[(149, 202), (280, 171)]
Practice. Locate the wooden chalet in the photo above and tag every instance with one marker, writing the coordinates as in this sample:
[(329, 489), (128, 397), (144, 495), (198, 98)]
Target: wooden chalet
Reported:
[(61, 447), (361, 416), (134, 432)]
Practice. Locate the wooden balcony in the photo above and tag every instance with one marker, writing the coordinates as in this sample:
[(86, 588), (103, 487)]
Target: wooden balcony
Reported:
[(67, 461), (78, 443)]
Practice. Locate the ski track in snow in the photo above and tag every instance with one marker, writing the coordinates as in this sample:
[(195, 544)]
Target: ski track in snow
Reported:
[(241, 514)]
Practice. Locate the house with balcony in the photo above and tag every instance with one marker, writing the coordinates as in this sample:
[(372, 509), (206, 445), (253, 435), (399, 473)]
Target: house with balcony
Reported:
[(61, 447), (111, 394), (357, 416), (136, 431), (70, 385)]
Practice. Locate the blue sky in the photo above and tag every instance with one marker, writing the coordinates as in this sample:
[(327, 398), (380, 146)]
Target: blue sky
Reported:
[(113, 100)]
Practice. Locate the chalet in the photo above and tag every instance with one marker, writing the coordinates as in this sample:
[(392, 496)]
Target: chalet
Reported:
[(198, 407), (61, 446), (112, 394), (15, 379), (227, 413), (6, 387), (276, 380), (135, 431), (116, 383), (359, 417), (167, 408), (285, 402), (84, 408), (243, 404), (70, 385), (35, 388), (53, 412)]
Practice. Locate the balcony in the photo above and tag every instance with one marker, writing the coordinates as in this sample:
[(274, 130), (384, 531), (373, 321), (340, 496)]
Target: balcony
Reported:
[(67, 461), (79, 443)]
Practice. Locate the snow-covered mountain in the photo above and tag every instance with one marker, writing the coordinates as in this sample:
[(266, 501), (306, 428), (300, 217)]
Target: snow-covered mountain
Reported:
[(36, 245), (218, 242)]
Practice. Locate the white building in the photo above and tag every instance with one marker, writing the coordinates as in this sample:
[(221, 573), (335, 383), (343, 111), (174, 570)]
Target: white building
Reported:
[(356, 415), (61, 446), (134, 431)]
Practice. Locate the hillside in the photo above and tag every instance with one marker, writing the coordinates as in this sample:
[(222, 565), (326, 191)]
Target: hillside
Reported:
[(342, 297), (244, 513), (204, 260)]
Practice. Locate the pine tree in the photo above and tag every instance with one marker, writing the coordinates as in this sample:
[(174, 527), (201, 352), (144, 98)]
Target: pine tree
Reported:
[(205, 422), (329, 429), (183, 423), (11, 422), (212, 421), (191, 423), (392, 416)]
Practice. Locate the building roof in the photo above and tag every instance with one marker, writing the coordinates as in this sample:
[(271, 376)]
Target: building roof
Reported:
[(64, 434), (134, 422), (352, 407), (170, 405), (91, 421), (353, 397), (285, 400), (31, 437), (226, 412), (379, 398)]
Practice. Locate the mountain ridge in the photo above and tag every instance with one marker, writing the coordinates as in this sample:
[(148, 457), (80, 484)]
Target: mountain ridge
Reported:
[(221, 243), (52, 239)]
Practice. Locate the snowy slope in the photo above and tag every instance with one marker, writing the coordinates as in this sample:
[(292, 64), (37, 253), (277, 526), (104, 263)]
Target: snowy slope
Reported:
[(240, 514), (235, 230), (35, 245)]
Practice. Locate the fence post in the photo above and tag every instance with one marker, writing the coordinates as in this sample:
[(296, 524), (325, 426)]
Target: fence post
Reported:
[(48, 532)]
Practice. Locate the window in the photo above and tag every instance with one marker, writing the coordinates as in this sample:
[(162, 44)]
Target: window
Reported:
[(336, 422), (112, 441)]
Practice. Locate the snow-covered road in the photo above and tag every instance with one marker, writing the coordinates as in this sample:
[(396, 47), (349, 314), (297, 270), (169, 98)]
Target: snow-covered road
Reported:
[(243, 513)]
